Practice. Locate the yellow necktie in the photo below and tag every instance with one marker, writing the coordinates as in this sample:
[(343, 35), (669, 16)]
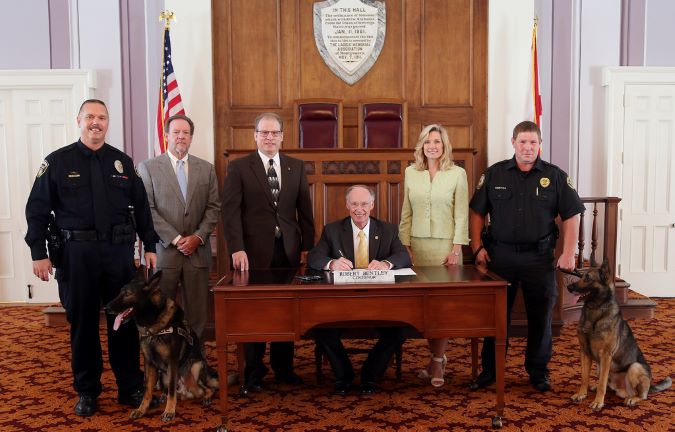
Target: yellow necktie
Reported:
[(362, 252)]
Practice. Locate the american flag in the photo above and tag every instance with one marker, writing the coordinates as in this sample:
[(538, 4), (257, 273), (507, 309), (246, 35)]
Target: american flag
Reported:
[(170, 102)]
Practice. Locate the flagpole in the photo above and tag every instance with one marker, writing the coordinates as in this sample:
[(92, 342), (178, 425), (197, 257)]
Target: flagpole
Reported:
[(167, 16)]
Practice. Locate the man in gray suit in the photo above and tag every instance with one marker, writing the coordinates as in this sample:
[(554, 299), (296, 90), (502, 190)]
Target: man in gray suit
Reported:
[(183, 194)]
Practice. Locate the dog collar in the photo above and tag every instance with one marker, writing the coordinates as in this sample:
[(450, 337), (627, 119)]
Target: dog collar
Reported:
[(146, 333)]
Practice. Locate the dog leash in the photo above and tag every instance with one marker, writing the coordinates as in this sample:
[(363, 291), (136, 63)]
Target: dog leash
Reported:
[(574, 272)]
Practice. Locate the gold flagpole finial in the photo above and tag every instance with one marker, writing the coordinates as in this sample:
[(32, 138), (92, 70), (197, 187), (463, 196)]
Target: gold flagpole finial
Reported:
[(167, 16), (536, 20)]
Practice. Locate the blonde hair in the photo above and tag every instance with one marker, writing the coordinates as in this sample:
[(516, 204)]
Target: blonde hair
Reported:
[(446, 162)]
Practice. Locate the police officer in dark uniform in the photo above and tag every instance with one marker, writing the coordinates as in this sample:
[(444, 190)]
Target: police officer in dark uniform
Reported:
[(99, 204), (523, 195)]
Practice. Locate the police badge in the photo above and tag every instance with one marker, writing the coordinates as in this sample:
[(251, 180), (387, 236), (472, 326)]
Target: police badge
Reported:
[(119, 167), (544, 182)]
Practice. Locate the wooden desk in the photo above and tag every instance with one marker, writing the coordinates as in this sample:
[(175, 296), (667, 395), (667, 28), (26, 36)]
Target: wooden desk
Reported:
[(272, 305)]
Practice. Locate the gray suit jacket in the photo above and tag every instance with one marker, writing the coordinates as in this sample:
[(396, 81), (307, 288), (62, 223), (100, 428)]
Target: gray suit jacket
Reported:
[(172, 215)]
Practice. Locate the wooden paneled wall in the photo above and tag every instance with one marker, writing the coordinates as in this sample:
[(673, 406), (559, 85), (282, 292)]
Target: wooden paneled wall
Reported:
[(434, 57)]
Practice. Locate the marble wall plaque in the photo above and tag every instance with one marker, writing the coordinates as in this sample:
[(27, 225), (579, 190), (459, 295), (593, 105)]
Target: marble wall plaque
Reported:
[(349, 35)]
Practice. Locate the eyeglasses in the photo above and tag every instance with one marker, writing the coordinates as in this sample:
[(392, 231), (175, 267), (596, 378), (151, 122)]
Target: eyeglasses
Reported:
[(274, 134)]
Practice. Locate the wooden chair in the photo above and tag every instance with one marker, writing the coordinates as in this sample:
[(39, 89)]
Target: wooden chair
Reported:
[(383, 123), (318, 123)]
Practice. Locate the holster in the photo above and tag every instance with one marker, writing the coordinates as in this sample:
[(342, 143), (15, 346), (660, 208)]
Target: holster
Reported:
[(123, 234), (547, 243), (54, 242)]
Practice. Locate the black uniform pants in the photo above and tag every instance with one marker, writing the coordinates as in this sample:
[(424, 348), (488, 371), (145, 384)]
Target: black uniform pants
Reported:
[(378, 358), (281, 353), (92, 274), (535, 274)]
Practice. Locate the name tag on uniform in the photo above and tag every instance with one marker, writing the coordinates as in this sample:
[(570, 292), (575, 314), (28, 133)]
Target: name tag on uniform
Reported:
[(363, 276)]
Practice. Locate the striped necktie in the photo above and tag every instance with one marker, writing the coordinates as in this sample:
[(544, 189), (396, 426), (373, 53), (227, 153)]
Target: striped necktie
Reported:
[(273, 181), (362, 252)]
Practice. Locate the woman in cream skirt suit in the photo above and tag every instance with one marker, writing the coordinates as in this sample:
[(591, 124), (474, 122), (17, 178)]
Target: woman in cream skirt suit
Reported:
[(434, 218)]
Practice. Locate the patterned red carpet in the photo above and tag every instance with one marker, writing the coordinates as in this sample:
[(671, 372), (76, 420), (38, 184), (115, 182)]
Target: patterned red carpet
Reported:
[(36, 392)]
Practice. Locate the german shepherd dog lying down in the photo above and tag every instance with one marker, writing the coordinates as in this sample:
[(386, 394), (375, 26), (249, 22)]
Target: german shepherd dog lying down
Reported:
[(606, 339), (170, 347)]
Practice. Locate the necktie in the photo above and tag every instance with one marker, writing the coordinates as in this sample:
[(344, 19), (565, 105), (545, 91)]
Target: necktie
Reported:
[(273, 181), (99, 194), (362, 252), (182, 179)]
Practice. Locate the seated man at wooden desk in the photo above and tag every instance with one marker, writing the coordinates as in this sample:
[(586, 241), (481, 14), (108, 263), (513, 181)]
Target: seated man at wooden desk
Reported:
[(359, 241)]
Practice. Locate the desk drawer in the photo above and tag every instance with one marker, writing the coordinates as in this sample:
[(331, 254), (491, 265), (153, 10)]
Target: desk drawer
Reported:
[(258, 316), (322, 310), (460, 312)]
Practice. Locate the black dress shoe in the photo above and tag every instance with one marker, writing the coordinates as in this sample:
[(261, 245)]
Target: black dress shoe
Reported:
[(541, 384), (342, 388), (290, 378), (252, 385), (368, 387), (134, 399), (246, 389), (85, 406), (484, 379)]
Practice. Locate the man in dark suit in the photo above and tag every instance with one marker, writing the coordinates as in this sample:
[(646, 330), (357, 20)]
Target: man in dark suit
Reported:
[(359, 241), (268, 223)]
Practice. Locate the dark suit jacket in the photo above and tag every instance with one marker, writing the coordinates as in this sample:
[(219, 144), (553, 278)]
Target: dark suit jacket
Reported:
[(383, 244), (249, 216)]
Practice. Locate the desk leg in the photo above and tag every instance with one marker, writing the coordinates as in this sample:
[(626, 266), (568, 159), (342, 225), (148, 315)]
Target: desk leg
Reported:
[(500, 360), (222, 375), (474, 358)]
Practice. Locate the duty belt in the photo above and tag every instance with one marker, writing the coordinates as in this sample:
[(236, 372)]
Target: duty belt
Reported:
[(83, 235), (517, 247)]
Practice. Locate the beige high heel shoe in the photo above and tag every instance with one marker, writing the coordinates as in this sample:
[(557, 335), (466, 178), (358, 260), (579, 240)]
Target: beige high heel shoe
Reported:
[(439, 381)]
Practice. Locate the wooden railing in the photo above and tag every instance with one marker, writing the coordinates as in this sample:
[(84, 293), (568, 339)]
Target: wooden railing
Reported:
[(609, 231)]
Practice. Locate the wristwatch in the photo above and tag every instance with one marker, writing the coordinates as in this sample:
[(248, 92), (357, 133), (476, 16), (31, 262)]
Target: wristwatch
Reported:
[(455, 253)]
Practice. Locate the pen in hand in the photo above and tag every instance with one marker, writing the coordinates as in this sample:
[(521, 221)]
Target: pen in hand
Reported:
[(346, 262)]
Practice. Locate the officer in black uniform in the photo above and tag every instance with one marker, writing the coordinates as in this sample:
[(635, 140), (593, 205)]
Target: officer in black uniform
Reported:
[(100, 204), (523, 195)]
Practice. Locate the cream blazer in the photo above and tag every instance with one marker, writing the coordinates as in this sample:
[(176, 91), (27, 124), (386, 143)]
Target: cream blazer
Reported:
[(438, 209)]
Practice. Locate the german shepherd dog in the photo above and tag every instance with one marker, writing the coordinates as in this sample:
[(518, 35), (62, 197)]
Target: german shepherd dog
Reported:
[(606, 338), (170, 347)]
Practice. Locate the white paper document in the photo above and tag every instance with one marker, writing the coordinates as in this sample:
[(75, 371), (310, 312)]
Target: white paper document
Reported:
[(404, 272)]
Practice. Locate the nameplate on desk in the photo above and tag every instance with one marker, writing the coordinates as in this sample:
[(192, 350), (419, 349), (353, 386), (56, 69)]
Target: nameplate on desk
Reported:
[(363, 276)]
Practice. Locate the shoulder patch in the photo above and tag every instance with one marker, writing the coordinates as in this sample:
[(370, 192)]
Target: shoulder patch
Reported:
[(136, 169), (481, 180), (570, 183), (43, 168)]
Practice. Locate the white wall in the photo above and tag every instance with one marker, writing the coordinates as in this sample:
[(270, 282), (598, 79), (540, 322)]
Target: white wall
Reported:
[(600, 46), (24, 34), (154, 31), (509, 56), (660, 33), (99, 49), (192, 62)]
